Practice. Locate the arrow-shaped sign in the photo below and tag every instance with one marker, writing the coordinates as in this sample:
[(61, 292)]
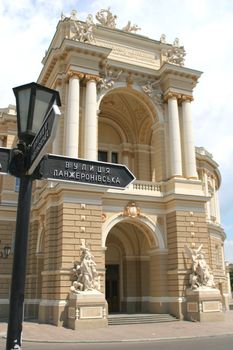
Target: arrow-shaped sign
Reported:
[(59, 168)]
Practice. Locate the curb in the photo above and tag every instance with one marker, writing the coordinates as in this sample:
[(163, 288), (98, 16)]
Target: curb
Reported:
[(141, 340)]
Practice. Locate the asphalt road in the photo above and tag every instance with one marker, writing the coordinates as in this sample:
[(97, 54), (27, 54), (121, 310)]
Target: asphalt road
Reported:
[(207, 343)]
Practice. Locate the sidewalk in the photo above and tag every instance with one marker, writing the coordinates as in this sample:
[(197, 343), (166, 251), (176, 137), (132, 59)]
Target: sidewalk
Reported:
[(35, 332)]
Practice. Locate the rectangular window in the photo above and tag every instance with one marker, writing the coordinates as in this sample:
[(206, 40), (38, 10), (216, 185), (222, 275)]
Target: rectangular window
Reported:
[(114, 157), (102, 156)]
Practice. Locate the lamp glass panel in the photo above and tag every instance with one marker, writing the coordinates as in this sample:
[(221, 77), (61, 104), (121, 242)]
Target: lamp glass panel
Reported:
[(23, 106), (43, 101)]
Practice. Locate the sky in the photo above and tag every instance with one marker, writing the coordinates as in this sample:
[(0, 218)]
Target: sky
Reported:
[(205, 29)]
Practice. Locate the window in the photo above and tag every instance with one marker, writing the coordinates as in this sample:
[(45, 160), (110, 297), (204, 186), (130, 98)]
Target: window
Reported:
[(114, 157), (107, 156), (102, 156)]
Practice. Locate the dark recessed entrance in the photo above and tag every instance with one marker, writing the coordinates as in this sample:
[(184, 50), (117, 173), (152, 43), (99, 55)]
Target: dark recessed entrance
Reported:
[(112, 287)]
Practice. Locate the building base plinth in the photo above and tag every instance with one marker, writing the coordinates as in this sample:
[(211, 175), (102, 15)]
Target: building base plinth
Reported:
[(87, 310), (204, 304)]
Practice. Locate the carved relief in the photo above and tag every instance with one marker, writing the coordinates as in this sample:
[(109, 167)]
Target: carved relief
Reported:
[(154, 91), (108, 80), (132, 210)]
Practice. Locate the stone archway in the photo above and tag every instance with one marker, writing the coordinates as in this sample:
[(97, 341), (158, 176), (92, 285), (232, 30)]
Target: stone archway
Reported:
[(130, 132), (129, 260)]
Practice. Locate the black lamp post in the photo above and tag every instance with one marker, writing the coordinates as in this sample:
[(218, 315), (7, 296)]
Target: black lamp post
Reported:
[(33, 103)]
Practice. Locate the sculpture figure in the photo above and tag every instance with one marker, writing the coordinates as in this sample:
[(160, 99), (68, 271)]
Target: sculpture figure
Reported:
[(201, 275), (85, 276), (131, 27), (106, 18), (84, 31)]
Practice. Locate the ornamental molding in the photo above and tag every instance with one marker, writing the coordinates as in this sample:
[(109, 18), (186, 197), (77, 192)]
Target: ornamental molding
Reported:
[(132, 210), (74, 74), (90, 77), (179, 97)]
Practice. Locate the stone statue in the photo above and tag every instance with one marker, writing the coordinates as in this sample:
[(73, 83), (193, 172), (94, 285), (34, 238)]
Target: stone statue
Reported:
[(85, 276), (131, 27), (84, 31), (201, 275), (176, 54), (163, 38), (106, 18)]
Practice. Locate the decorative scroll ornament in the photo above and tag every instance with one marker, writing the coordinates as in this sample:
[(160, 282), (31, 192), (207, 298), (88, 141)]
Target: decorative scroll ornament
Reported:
[(85, 277), (154, 91), (132, 210), (108, 80), (201, 275), (106, 18), (131, 27), (175, 54)]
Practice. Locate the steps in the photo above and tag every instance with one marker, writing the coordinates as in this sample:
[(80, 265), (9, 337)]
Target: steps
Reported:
[(126, 319)]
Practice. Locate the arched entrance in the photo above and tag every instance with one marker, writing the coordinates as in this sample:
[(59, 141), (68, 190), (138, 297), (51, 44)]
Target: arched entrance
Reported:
[(129, 246)]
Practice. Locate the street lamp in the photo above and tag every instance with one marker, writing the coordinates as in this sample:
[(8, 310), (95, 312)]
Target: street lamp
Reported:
[(33, 103)]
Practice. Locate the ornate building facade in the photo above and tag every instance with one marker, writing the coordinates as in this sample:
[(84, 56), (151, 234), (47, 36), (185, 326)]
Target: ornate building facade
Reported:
[(125, 99)]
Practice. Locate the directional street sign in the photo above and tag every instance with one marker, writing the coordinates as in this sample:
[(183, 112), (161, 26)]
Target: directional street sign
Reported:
[(4, 160), (59, 168), (44, 137)]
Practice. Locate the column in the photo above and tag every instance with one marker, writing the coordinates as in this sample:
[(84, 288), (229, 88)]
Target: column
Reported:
[(72, 117), (91, 120), (174, 136), (188, 139)]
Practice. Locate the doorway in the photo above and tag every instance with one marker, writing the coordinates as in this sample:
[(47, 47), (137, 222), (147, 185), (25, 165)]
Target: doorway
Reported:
[(113, 288)]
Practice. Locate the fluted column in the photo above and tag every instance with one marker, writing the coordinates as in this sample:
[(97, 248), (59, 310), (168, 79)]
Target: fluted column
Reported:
[(190, 169), (174, 136), (72, 117), (91, 120)]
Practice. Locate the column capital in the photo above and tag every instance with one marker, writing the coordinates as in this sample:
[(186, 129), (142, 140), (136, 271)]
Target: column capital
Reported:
[(171, 95), (89, 77), (187, 98), (74, 74), (179, 97)]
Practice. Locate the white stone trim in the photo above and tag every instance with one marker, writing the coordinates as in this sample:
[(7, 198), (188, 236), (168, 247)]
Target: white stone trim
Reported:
[(156, 299), (45, 302), (115, 219)]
